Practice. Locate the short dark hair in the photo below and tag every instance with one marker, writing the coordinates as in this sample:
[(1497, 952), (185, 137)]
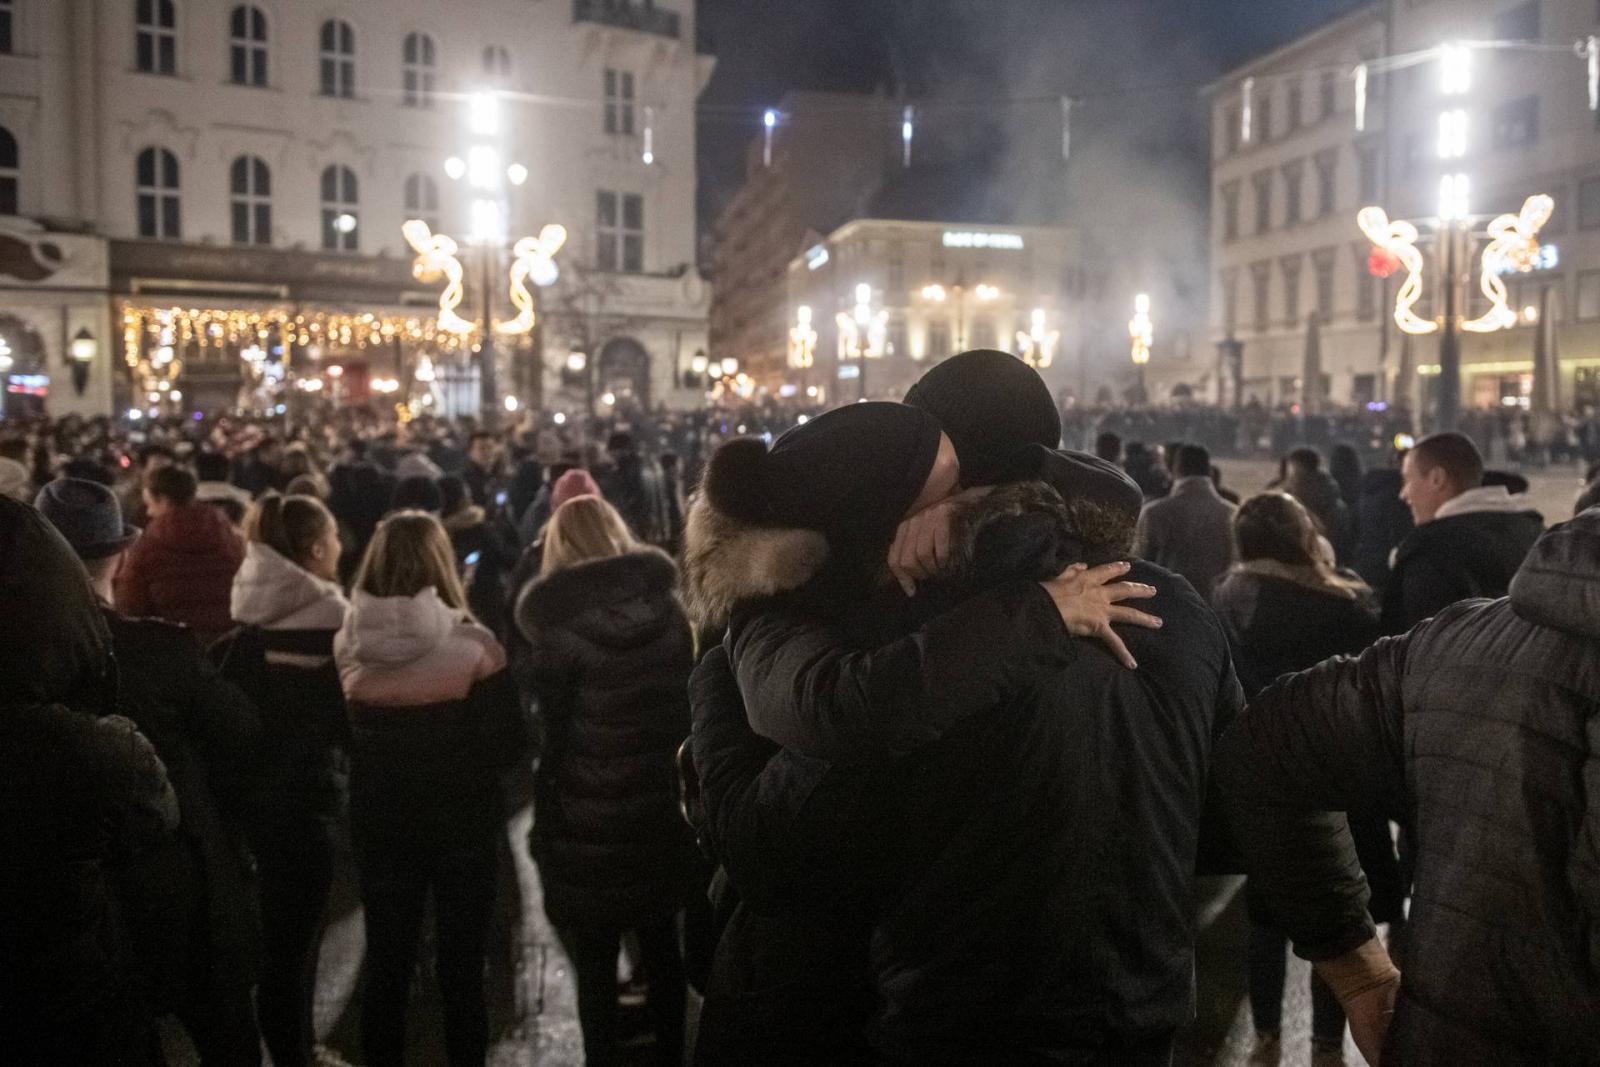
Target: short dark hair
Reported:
[(620, 441), (480, 435), (1455, 454), (1307, 459), (173, 483), (1108, 446), (1193, 462)]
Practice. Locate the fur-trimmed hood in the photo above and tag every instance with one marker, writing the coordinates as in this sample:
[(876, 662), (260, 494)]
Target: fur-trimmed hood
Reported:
[(727, 561)]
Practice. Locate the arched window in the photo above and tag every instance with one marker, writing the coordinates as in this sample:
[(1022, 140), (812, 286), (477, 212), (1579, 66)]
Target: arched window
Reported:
[(10, 159), (417, 68), (422, 200), (159, 215), (8, 27), (156, 36), (341, 204), (338, 55), (497, 63), (250, 188), (247, 46)]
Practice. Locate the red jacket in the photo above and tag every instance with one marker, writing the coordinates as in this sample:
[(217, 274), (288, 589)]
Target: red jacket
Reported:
[(182, 570)]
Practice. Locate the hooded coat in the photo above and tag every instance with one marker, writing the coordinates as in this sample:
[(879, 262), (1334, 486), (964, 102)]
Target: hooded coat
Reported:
[(281, 655), (428, 696), (182, 570), (1479, 728), (1013, 915), (609, 668), (80, 791), (1472, 549)]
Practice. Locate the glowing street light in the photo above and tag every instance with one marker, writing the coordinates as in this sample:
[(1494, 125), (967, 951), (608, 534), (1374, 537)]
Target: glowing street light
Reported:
[(802, 339), (1142, 332), (933, 293), (1455, 69)]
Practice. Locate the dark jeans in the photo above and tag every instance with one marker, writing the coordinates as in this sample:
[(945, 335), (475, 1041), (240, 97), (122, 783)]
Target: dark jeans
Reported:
[(294, 867), (593, 953), (396, 878), (1267, 968)]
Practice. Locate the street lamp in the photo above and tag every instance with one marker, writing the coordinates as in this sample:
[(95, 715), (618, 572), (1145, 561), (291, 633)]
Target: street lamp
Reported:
[(1142, 332), (863, 334), (1037, 346), (802, 343)]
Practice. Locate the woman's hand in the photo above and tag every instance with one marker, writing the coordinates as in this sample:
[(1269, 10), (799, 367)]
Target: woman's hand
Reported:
[(1090, 602)]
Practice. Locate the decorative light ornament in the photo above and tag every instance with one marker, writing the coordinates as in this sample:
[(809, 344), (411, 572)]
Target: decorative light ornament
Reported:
[(1141, 330), (769, 119), (1453, 133), (649, 154), (455, 167), (1382, 263), (933, 293), (1359, 76), (908, 118), (576, 361), (517, 174), (986, 293), (1037, 347), (1455, 69), (436, 255), (730, 367), (802, 339), (531, 255), (483, 113), (1247, 110), (424, 372), (1454, 190), (512, 403), (1589, 49), (1513, 242), (1399, 238)]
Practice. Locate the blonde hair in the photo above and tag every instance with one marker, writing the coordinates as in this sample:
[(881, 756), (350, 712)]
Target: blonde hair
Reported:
[(410, 552), (584, 528), (290, 525)]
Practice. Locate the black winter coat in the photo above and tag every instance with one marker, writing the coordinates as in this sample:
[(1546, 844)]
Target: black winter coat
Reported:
[(1279, 621), (303, 771), (1456, 558), (1030, 919), (192, 917), (1480, 727), (609, 666), (1382, 521)]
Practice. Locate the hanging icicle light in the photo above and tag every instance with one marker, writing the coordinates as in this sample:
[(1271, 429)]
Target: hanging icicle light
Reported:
[(1359, 76), (649, 154), (908, 119), (1066, 128), (1589, 49), (768, 120), (1247, 109)]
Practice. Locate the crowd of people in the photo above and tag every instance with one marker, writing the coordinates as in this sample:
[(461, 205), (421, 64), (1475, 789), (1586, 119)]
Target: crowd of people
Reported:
[(898, 732)]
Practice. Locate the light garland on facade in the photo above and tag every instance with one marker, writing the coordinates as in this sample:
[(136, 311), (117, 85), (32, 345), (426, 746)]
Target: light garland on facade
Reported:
[(1513, 243), (1399, 239)]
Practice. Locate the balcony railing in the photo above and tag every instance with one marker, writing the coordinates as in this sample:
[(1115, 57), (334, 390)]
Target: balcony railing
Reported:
[(627, 14)]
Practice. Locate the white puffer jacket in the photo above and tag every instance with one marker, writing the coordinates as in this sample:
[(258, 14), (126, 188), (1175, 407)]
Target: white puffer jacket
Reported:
[(273, 592), (409, 651)]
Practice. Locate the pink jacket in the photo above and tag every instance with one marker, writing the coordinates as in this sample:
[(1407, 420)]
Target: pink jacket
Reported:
[(410, 651)]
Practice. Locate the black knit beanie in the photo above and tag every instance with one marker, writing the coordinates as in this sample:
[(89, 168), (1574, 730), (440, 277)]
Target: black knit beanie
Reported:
[(1079, 476), (993, 406), (849, 473)]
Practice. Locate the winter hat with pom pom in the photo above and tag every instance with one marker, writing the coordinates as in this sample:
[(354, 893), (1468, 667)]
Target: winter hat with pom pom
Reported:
[(850, 473)]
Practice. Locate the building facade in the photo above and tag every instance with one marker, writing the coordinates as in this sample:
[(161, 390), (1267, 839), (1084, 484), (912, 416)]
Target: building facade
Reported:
[(887, 298), (1288, 259), (244, 170)]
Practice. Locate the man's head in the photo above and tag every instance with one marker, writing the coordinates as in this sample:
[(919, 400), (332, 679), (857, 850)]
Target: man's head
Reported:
[(153, 457), (992, 406), (481, 448), (1193, 461), (1108, 446), (167, 488), (1439, 469), (621, 443), (89, 518), (1304, 461), (1169, 453)]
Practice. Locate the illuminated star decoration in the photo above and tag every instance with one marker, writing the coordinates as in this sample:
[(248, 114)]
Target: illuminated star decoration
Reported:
[(1513, 243), (1399, 238), (436, 255), (1037, 346), (533, 258)]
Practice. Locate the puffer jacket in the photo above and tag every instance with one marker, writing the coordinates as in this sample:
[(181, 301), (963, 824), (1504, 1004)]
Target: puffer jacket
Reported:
[(1480, 729), (281, 655), (182, 570), (429, 699), (609, 664), (80, 792)]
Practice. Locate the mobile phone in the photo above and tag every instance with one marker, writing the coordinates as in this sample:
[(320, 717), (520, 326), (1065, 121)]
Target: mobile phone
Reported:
[(500, 499), (472, 559)]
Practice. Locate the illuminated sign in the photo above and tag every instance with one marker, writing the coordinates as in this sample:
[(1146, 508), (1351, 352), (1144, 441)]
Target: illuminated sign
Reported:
[(965, 239), (816, 257), (847, 371), (29, 384), (1549, 258)]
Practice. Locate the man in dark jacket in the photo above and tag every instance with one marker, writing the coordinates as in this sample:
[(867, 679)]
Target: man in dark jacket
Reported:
[(80, 792), (1477, 729), (634, 487), (194, 925), (1469, 538), (1189, 532)]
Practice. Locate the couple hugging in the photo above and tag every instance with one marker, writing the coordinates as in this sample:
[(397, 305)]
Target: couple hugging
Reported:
[(957, 823)]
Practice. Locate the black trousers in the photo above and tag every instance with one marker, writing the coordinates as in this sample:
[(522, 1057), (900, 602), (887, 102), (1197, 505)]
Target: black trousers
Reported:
[(1267, 969), (294, 868), (396, 879), (593, 952)]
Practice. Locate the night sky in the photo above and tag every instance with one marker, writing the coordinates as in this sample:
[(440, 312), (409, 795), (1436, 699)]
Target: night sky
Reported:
[(1155, 51)]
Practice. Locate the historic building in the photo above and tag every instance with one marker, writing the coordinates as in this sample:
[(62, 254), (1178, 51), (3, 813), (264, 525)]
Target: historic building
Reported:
[(202, 195)]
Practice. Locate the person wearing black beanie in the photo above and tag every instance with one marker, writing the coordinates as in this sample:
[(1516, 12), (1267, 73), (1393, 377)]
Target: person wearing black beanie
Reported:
[(993, 406)]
